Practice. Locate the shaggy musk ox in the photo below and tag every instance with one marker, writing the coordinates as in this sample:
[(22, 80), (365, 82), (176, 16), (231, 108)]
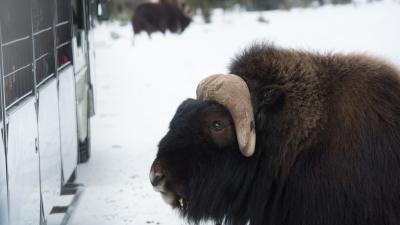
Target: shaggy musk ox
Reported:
[(152, 17), (295, 138)]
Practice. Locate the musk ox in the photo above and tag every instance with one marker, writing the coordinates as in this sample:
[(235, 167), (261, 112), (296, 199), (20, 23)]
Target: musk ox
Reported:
[(292, 138), (160, 16)]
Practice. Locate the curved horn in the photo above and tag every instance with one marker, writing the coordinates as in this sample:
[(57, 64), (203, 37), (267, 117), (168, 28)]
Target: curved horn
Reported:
[(232, 92)]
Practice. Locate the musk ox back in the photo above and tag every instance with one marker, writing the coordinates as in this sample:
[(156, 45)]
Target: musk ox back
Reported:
[(160, 16), (327, 142)]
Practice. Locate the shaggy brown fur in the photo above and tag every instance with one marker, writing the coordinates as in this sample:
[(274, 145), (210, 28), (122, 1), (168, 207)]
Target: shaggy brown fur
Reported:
[(340, 133), (354, 84), (327, 152)]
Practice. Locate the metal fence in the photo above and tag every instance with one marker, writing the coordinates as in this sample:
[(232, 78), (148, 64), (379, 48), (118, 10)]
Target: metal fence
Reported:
[(28, 58)]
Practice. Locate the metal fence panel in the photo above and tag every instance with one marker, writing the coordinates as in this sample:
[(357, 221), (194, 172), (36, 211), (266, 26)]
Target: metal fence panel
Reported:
[(15, 19), (16, 44), (23, 165), (68, 123), (49, 144), (63, 34), (43, 16)]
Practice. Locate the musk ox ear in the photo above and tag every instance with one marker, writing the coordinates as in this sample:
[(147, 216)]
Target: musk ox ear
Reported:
[(232, 92), (271, 98)]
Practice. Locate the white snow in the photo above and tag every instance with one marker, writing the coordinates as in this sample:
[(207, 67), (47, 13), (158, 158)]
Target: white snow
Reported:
[(139, 87)]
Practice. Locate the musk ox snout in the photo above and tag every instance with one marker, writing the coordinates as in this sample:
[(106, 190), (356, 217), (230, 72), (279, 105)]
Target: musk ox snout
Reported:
[(156, 176), (162, 184), (169, 187)]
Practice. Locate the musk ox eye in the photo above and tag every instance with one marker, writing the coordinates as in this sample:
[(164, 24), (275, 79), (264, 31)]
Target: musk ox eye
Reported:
[(217, 126)]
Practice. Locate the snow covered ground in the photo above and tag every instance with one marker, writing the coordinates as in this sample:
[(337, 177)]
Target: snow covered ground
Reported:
[(139, 87)]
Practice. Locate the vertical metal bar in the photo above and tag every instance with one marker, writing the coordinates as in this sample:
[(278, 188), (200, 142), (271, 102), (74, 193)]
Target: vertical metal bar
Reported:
[(75, 94), (35, 91), (86, 23), (70, 19), (36, 97), (55, 20), (3, 115)]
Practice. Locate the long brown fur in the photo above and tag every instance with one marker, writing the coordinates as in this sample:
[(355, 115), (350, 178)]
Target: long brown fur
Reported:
[(313, 83)]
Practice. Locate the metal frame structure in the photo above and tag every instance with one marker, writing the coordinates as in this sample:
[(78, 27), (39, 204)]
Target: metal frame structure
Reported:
[(46, 101)]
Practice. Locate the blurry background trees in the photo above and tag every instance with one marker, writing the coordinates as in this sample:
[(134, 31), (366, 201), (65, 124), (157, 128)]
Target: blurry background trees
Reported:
[(122, 9)]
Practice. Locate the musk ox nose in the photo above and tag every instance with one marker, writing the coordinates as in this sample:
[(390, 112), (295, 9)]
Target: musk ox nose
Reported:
[(156, 178)]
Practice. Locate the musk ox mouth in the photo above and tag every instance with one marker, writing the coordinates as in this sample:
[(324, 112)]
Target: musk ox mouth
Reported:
[(173, 200), (170, 197)]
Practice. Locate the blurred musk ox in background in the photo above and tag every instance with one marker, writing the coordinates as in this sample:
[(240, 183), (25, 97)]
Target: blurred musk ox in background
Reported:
[(172, 15), (295, 138)]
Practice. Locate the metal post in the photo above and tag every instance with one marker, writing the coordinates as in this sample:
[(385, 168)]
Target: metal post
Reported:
[(3, 115)]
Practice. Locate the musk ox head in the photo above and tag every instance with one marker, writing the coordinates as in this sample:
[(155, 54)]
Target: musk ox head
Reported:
[(296, 138), (215, 132)]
